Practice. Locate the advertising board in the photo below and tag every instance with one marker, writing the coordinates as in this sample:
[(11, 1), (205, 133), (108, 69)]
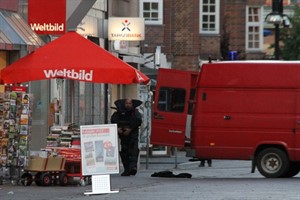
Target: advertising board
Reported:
[(99, 149)]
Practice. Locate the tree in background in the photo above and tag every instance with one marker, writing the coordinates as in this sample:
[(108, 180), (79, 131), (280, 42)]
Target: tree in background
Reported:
[(290, 38)]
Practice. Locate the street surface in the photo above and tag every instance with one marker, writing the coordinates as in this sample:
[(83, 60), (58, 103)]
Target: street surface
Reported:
[(225, 180)]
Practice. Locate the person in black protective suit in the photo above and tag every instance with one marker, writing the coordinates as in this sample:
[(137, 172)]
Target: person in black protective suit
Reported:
[(128, 119)]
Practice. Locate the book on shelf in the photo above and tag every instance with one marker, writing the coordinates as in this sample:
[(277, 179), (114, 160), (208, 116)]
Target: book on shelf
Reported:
[(23, 141), (24, 119), (65, 144), (52, 143)]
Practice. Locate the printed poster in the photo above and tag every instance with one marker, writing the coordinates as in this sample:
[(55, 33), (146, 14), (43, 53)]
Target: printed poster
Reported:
[(99, 149)]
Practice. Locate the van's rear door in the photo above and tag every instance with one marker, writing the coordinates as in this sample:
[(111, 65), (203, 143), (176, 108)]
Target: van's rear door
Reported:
[(172, 108)]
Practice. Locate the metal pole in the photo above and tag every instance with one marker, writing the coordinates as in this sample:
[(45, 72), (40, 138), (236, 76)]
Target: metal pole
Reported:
[(72, 91), (277, 6), (176, 162), (277, 41), (148, 106), (147, 149), (106, 88)]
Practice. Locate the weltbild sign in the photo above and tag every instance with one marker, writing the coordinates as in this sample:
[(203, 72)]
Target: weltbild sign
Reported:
[(126, 28), (47, 17)]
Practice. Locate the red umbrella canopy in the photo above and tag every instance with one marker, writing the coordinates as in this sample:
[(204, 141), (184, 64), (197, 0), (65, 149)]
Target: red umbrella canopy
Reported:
[(74, 57)]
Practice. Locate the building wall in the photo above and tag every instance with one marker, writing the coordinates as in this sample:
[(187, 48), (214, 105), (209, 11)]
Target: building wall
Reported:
[(124, 8), (154, 36), (233, 19), (182, 43), (210, 47), (185, 22), (178, 36)]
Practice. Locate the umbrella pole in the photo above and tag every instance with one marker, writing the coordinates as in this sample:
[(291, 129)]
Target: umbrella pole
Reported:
[(60, 88), (72, 99)]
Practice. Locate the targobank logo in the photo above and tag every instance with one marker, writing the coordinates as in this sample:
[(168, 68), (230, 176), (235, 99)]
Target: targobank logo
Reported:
[(81, 75), (126, 25), (47, 27)]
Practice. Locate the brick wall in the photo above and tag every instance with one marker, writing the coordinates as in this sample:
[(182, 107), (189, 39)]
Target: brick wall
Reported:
[(154, 36), (210, 47), (233, 21), (234, 24), (185, 43), (181, 41)]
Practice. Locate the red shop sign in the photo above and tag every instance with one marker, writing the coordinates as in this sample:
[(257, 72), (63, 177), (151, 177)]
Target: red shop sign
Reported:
[(47, 17)]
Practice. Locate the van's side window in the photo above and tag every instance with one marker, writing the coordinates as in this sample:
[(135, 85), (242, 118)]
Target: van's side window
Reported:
[(171, 99)]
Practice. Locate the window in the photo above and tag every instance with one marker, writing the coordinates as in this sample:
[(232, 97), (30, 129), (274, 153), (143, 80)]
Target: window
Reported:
[(209, 16), (254, 28), (171, 99), (152, 11)]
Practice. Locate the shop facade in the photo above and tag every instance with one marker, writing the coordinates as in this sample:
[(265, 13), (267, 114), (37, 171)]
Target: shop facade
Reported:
[(75, 102), (59, 102), (16, 41)]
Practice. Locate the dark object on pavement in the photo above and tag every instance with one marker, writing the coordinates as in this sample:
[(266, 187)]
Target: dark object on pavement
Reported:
[(169, 174)]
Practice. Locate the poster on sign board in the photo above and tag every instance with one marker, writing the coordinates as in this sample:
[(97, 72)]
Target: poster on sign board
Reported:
[(99, 149)]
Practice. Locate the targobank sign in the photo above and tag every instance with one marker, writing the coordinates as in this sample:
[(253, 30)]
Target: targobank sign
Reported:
[(126, 28), (81, 75), (47, 17)]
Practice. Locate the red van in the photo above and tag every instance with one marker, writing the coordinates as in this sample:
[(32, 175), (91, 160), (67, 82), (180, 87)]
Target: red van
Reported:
[(239, 110)]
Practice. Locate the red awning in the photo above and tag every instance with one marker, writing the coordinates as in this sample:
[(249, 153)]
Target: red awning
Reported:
[(73, 57)]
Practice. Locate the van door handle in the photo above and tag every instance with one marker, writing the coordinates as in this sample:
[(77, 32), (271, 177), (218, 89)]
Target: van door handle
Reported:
[(157, 116), (298, 123), (226, 117)]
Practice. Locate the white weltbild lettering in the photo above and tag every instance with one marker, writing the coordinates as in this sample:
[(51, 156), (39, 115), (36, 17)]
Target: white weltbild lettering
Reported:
[(47, 27), (81, 75)]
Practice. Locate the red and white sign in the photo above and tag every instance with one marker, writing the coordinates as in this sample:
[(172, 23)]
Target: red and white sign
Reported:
[(47, 17), (19, 89), (99, 149)]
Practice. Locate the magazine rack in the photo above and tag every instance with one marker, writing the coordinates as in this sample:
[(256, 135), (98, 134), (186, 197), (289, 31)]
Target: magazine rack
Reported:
[(15, 129)]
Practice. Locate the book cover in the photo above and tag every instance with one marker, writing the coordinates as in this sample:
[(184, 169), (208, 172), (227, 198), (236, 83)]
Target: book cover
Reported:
[(25, 99), (24, 130), (24, 119)]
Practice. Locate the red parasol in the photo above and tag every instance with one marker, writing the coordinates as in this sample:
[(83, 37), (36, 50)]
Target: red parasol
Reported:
[(73, 57)]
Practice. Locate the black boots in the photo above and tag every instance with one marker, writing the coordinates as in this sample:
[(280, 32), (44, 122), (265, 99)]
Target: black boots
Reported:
[(125, 173), (132, 172)]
